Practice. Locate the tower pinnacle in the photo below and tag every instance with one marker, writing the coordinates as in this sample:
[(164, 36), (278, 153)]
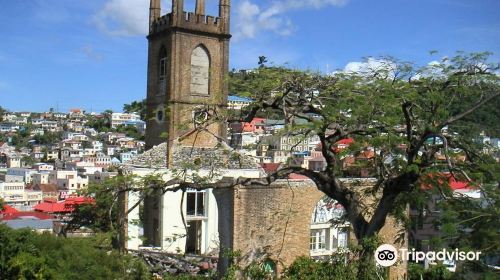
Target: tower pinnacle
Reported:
[(200, 7), (154, 11), (224, 13)]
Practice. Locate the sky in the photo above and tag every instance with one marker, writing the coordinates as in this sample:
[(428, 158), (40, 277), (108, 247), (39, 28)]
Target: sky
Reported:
[(92, 54)]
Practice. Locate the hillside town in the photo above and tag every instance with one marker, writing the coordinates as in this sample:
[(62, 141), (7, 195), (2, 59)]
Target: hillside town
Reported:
[(47, 159), (386, 168)]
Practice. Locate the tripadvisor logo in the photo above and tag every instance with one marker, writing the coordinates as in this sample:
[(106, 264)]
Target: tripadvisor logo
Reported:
[(386, 255)]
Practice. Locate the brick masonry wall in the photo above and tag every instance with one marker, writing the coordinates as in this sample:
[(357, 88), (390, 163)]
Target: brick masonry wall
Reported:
[(274, 223)]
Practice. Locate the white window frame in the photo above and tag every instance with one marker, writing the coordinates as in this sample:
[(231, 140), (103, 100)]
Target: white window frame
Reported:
[(318, 239), (196, 214)]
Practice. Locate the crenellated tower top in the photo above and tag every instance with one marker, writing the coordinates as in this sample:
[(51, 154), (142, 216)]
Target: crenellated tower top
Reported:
[(193, 21)]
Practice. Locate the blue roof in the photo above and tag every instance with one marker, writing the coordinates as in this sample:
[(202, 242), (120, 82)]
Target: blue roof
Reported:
[(33, 223), (134, 122), (235, 98)]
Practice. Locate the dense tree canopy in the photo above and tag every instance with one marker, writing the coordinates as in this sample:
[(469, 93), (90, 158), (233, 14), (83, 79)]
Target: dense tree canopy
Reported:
[(27, 255), (138, 107), (2, 112), (412, 118), (415, 120)]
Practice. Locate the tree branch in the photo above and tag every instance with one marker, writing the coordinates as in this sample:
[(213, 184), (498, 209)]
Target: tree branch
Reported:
[(469, 111)]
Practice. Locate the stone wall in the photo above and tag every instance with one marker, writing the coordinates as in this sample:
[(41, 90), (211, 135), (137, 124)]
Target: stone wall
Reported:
[(274, 223), (268, 222)]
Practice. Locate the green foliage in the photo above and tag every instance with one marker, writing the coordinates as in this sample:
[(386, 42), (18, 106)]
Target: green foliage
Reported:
[(415, 271), (183, 277), (28, 160), (2, 112), (138, 107), (435, 272), (48, 138), (130, 131), (305, 268), (100, 123), (27, 255), (476, 270), (472, 224)]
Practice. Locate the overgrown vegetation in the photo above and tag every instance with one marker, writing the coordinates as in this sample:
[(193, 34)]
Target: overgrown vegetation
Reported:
[(28, 255), (412, 117)]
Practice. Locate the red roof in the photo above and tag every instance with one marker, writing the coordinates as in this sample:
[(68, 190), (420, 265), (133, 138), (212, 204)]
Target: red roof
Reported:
[(258, 120), (66, 206), (457, 185), (8, 210), (295, 176), (270, 167), (345, 141), (452, 181), (51, 207), (341, 142)]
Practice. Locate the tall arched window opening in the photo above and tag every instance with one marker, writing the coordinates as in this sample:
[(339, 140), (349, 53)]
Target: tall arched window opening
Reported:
[(200, 71), (163, 72)]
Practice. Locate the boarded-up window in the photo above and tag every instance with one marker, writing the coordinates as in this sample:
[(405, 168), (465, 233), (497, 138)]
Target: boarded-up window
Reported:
[(200, 71)]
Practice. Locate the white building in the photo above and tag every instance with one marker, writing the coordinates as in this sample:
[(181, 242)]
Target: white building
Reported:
[(200, 212), (68, 180), (15, 195), (121, 118), (40, 178), (43, 167), (199, 234), (25, 173), (237, 103), (9, 127)]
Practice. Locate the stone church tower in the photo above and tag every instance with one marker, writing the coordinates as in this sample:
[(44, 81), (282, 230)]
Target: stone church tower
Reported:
[(186, 86), (187, 72)]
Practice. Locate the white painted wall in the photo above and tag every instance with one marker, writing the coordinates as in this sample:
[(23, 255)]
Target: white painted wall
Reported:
[(172, 227)]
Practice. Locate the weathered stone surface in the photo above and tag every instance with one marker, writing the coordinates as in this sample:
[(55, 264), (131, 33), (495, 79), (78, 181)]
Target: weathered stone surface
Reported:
[(274, 222), (155, 157), (270, 222), (220, 157)]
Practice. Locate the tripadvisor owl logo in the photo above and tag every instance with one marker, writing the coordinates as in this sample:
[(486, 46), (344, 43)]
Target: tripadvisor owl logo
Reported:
[(386, 255)]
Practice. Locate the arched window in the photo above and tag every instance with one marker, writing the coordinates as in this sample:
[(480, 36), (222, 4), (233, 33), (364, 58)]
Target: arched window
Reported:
[(200, 71), (163, 72)]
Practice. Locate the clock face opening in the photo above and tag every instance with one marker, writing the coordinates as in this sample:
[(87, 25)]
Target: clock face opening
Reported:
[(200, 117), (159, 115)]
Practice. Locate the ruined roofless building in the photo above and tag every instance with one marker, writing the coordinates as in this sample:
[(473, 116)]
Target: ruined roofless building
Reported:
[(187, 70)]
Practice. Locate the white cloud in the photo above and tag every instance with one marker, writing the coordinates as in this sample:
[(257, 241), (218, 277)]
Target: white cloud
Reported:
[(371, 65), (123, 17), (130, 17), (251, 19)]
